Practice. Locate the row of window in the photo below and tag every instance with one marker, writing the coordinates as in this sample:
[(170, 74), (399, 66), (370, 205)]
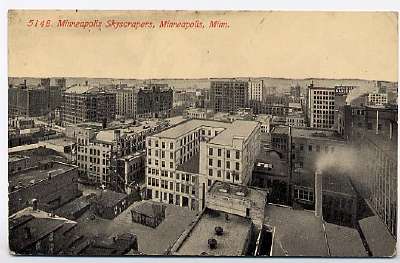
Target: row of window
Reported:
[(219, 153), (219, 164)]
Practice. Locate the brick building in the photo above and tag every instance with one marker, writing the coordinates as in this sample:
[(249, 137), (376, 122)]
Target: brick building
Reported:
[(227, 96), (154, 100), (85, 103)]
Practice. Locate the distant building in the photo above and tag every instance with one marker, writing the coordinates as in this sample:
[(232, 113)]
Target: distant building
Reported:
[(51, 183), (377, 99), (256, 90), (184, 161), (198, 113), (27, 101), (296, 120), (21, 123), (154, 100), (295, 91), (229, 95), (126, 102), (321, 107), (85, 103), (341, 90)]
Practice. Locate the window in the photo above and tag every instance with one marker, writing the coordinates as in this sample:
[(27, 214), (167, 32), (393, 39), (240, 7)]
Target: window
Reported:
[(209, 182), (171, 145), (162, 154), (171, 165), (228, 176), (228, 165), (171, 155), (210, 172), (149, 143), (301, 147), (310, 148), (162, 164), (219, 163), (156, 143), (219, 152), (219, 173), (163, 145), (237, 166), (210, 151), (210, 162), (149, 152), (237, 154), (228, 154)]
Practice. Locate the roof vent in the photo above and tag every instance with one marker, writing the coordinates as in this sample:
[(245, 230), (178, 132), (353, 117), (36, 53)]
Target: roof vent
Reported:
[(219, 231), (223, 190), (240, 193), (212, 243)]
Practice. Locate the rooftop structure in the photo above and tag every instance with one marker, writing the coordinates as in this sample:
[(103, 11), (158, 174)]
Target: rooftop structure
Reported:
[(234, 240)]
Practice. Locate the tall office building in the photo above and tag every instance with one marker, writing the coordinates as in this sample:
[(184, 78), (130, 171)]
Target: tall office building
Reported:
[(321, 107), (256, 90), (126, 102), (86, 103), (184, 161), (229, 95), (154, 100)]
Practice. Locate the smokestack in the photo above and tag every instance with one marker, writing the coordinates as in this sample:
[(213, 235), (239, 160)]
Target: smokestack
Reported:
[(25, 83), (377, 122), (318, 193), (34, 204)]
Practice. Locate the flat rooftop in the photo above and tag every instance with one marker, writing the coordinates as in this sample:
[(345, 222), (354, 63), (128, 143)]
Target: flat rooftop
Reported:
[(109, 198), (238, 192), (231, 243), (344, 241), (297, 232), (35, 175), (108, 135), (192, 165), (239, 128), (190, 125), (309, 133)]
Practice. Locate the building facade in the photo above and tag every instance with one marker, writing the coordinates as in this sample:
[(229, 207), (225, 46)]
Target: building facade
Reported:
[(126, 102), (321, 107), (256, 90), (184, 161), (85, 104), (227, 96), (154, 100)]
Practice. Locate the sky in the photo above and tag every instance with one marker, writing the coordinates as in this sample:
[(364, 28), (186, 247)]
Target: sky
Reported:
[(256, 44)]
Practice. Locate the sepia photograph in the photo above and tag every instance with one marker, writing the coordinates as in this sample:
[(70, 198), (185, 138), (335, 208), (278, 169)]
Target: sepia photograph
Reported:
[(202, 133)]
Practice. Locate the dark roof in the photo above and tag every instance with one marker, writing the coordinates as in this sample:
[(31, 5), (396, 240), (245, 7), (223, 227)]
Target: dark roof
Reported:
[(109, 198), (192, 165), (296, 233), (380, 241)]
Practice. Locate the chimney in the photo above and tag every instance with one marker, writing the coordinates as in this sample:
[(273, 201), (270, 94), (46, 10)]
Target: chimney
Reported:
[(34, 204), (86, 83), (318, 193), (377, 122), (25, 83)]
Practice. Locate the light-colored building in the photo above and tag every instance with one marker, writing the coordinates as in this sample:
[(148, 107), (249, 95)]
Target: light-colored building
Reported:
[(256, 88), (198, 113), (126, 102), (184, 161), (110, 156), (321, 107), (296, 120), (377, 99)]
